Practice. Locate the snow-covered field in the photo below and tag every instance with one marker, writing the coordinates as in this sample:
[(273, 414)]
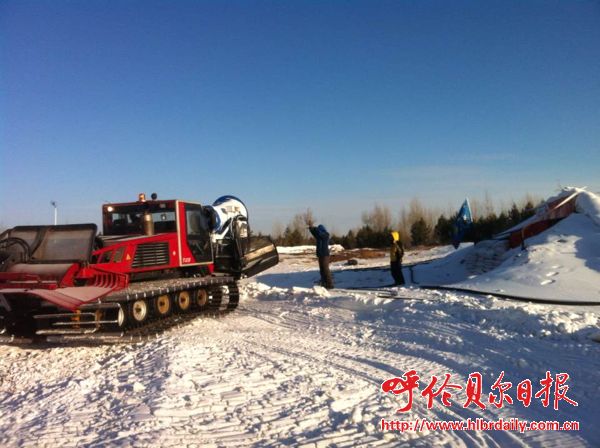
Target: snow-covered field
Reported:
[(297, 365)]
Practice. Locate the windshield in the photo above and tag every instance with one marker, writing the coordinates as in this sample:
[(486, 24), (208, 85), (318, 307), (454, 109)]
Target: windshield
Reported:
[(127, 219)]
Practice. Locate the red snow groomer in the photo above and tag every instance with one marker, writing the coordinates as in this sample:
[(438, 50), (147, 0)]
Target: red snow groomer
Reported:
[(153, 258)]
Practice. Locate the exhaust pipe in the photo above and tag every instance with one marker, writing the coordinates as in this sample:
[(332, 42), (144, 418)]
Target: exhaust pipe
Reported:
[(148, 224)]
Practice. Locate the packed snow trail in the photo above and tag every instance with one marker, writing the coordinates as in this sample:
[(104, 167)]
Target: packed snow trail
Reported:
[(295, 367)]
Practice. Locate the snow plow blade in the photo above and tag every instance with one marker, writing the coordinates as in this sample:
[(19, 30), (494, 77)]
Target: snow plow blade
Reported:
[(262, 255)]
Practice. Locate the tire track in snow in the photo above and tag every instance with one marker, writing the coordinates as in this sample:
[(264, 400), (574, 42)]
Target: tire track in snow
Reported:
[(282, 370), (74, 395), (369, 367), (302, 388)]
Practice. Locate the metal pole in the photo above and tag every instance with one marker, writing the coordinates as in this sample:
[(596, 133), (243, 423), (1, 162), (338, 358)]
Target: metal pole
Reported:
[(53, 203)]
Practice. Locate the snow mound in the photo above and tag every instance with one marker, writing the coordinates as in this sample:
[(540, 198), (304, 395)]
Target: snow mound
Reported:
[(589, 204), (561, 264)]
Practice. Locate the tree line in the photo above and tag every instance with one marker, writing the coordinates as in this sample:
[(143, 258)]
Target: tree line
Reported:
[(417, 225)]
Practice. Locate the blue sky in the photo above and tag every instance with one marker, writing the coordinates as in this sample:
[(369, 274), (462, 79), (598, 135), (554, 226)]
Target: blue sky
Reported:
[(293, 104)]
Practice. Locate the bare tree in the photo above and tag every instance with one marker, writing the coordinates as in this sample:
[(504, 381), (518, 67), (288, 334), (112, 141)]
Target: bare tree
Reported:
[(300, 223), (277, 230), (530, 199), (416, 211), (309, 219), (488, 205), (404, 225), (378, 219), (476, 208)]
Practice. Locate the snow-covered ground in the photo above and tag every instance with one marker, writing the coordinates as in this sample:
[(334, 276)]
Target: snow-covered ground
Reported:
[(297, 365), (296, 250)]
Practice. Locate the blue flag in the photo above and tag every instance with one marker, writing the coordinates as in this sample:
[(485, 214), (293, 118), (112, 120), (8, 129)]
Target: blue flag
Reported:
[(464, 220)]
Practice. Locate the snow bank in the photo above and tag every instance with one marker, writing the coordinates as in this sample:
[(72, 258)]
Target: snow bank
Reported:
[(589, 205), (560, 264), (586, 202), (296, 250), (500, 318)]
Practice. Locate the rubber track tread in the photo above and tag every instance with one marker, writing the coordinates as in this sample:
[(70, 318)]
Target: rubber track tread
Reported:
[(222, 300)]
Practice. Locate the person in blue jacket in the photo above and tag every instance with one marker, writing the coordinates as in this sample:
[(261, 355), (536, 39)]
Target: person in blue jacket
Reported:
[(322, 237)]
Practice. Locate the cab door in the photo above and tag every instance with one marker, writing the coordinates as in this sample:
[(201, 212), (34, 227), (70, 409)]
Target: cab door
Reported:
[(194, 235)]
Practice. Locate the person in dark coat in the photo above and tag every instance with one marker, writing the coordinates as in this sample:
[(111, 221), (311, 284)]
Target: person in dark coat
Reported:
[(396, 254), (322, 237)]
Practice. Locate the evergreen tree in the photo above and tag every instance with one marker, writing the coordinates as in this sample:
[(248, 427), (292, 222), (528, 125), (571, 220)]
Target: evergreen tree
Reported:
[(367, 237), (514, 215), (349, 240), (502, 223), (420, 232), (442, 231), (528, 211), (292, 237)]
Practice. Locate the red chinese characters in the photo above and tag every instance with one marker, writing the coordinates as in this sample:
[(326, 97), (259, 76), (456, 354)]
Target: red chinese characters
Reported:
[(524, 391), (397, 386), (560, 390), (473, 390), (498, 401), (551, 388), (446, 395)]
